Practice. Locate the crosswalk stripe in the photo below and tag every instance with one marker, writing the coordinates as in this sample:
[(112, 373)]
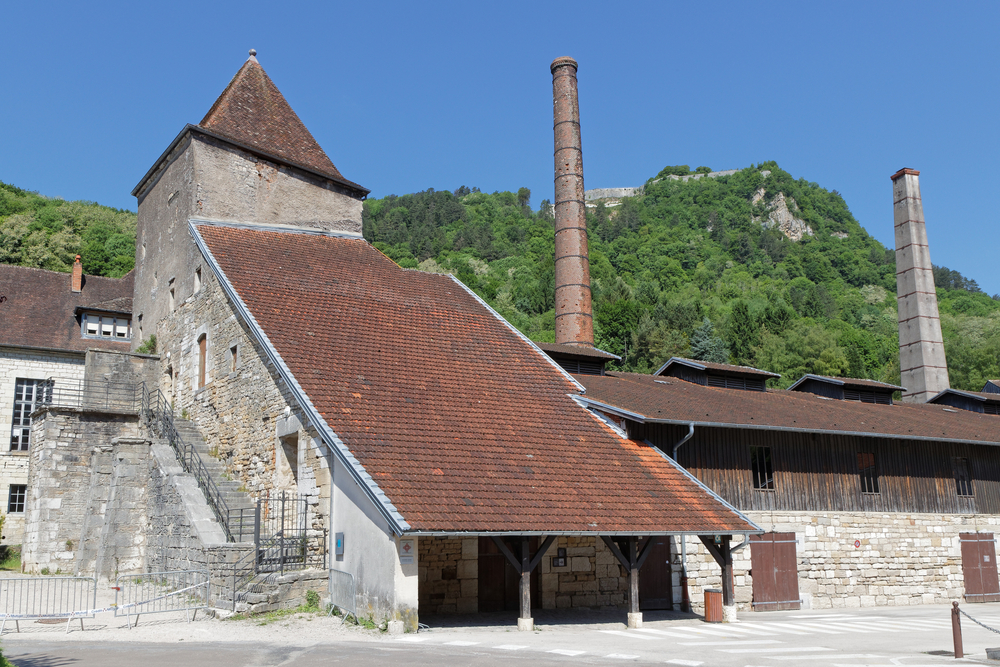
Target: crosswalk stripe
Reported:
[(510, 647), (412, 639), (625, 656), (839, 656), (686, 663), (621, 633), (778, 649), (848, 627), (665, 633), (754, 630), (460, 643), (738, 642), (563, 651), (773, 628), (812, 628), (715, 632)]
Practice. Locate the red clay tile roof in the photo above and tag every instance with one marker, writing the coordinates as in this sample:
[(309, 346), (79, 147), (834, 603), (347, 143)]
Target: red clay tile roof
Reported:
[(676, 401), (463, 424), (848, 382), (252, 111), (578, 351), (713, 366), (40, 309)]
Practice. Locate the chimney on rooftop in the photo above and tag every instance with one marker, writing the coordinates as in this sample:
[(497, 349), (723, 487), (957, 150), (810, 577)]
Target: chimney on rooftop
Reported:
[(574, 318), (77, 275), (922, 365)]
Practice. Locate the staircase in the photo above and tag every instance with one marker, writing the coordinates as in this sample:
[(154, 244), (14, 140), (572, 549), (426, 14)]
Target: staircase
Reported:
[(241, 509)]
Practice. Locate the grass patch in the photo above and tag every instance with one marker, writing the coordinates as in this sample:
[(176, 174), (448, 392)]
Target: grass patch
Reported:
[(10, 560), (311, 607)]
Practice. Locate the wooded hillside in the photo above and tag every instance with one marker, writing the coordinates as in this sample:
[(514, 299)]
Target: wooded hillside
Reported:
[(703, 267)]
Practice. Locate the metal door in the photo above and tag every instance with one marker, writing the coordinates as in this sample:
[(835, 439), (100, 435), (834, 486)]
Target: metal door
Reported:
[(774, 568), (655, 589), (979, 567)]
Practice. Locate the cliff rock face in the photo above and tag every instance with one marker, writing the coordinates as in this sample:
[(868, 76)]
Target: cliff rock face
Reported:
[(780, 215)]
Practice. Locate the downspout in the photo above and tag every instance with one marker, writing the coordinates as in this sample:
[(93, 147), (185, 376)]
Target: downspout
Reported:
[(683, 440)]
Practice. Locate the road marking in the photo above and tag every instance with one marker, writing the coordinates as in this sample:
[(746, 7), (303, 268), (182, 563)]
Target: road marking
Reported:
[(563, 651), (850, 627), (626, 656), (412, 639), (773, 627), (776, 649), (839, 656), (686, 663), (510, 647), (824, 616), (714, 632), (815, 628), (680, 635), (747, 642), (460, 643), (621, 633), (754, 630)]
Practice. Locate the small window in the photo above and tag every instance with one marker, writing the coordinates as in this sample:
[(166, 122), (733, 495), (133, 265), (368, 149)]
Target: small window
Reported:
[(202, 352), (233, 357), (197, 279), (94, 325), (27, 394), (868, 472), (760, 465), (16, 496), (963, 480)]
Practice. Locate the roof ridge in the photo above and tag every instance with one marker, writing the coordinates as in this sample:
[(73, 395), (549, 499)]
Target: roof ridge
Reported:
[(252, 111)]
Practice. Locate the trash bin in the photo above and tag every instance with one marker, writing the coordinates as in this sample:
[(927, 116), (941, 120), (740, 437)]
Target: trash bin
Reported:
[(713, 605)]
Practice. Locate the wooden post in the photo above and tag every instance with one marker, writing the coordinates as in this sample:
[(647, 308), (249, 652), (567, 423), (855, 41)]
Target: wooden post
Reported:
[(525, 582), (633, 578), (956, 631), (727, 572)]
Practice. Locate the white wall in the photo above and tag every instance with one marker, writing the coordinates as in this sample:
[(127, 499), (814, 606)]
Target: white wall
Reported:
[(36, 365)]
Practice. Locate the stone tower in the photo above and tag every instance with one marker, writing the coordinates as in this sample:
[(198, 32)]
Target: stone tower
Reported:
[(574, 318), (922, 365), (250, 160)]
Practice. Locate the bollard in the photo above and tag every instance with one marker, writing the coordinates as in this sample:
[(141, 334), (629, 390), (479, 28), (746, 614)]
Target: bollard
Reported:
[(956, 630)]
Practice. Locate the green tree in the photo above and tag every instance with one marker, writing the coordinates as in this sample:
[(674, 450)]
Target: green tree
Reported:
[(706, 346)]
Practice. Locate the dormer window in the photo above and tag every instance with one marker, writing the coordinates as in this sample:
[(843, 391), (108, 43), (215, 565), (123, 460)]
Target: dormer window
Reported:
[(106, 326), (723, 376)]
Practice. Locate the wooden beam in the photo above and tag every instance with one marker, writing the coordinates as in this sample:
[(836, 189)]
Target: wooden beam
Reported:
[(617, 552), (723, 555), (541, 552), (505, 550), (645, 551)]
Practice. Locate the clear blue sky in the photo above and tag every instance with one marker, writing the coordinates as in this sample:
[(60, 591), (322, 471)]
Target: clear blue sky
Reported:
[(410, 96)]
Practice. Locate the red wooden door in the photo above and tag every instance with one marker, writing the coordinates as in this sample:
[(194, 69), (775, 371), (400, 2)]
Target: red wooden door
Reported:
[(979, 567), (655, 589), (774, 568)]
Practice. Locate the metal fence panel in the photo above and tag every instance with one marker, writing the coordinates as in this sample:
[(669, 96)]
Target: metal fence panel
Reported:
[(157, 592), (33, 598), (343, 594)]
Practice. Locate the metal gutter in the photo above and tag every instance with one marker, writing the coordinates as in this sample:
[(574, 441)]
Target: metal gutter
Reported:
[(577, 533), (684, 439), (591, 403), (519, 334), (332, 441), (290, 229), (789, 429)]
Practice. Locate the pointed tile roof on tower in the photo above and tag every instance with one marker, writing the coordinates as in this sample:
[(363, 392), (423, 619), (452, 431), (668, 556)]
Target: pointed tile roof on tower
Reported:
[(252, 111)]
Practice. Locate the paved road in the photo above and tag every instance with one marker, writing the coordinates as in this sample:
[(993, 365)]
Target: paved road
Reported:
[(915, 637)]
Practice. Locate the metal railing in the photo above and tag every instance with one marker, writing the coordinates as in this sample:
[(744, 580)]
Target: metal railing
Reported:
[(157, 592), (159, 416), (34, 598), (91, 394), (343, 594)]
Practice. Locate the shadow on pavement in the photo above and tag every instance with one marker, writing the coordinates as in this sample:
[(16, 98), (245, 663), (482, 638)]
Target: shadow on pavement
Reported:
[(549, 617)]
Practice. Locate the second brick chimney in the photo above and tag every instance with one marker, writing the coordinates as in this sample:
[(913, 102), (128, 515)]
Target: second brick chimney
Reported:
[(574, 317), (77, 275)]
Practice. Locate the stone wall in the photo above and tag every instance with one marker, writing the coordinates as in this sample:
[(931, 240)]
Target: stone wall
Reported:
[(591, 578), (29, 364), (61, 476), (902, 559)]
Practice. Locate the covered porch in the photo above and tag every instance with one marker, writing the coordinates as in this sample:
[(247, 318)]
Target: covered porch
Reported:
[(479, 573)]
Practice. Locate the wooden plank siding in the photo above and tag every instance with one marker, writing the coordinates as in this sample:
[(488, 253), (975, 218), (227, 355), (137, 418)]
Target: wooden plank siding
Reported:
[(819, 471)]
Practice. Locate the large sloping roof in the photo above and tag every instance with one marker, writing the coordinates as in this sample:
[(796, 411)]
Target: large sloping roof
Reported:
[(463, 424), (672, 400), (40, 308), (252, 111)]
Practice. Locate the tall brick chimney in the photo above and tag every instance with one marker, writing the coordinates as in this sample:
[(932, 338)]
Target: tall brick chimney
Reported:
[(922, 365), (77, 275), (574, 317)]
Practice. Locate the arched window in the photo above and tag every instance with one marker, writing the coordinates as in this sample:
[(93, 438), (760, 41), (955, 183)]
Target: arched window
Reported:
[(202, 357)]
